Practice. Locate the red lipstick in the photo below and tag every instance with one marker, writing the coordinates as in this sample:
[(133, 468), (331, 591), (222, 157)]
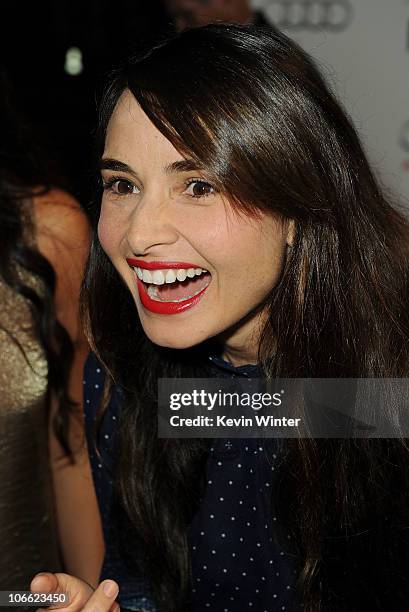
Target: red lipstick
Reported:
[(164, 308), (160, 265)]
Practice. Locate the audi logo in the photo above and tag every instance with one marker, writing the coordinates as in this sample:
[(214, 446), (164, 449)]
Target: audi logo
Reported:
[(313, 15)]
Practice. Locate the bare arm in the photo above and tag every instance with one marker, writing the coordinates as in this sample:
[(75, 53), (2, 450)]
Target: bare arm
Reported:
[(63, 238)]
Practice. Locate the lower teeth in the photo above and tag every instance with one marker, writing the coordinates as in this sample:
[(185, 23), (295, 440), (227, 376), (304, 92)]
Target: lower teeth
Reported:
[(153, 294)]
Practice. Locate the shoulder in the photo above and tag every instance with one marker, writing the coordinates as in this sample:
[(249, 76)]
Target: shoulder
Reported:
[(58, 214), (62, 236)]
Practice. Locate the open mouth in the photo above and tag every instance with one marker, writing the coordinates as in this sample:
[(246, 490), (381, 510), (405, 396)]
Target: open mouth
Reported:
[(170, 289), (174, 285)]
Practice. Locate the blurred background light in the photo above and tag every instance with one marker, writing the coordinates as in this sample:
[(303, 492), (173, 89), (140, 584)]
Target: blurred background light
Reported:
[(73, 61)]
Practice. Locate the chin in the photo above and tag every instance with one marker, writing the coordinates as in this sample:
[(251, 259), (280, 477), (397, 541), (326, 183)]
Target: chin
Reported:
[(174, 341)]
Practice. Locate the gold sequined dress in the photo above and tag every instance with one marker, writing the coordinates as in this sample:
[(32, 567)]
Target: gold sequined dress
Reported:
[(28, 540)]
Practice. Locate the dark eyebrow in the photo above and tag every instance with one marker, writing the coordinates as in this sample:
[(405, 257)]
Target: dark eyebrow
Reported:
[(107, 163), (183, 165)]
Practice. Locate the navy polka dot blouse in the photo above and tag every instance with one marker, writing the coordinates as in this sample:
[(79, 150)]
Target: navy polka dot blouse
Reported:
[(237, 563)]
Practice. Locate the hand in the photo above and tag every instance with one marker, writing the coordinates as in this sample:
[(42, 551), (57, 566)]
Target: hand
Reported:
[(81, 596)]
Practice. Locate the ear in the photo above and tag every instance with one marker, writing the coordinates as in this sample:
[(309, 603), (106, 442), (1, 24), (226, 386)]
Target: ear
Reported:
[(290, 232)]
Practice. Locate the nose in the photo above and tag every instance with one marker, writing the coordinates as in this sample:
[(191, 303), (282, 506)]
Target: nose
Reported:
[(151, 226)]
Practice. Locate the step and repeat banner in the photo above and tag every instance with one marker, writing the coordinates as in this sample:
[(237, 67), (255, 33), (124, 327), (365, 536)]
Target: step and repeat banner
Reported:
[(362, 46)]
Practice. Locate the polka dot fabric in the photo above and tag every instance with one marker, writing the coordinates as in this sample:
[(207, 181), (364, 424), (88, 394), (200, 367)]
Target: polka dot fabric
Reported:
[(236, 564)]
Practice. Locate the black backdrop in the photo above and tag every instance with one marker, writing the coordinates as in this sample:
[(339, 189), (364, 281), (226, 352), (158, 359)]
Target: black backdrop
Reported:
[(35, 37)]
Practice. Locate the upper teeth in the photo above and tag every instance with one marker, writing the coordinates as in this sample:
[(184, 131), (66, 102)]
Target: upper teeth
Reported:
[(160, 277)]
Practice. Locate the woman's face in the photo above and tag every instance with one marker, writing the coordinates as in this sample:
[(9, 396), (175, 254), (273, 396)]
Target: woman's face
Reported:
[(163, 221)]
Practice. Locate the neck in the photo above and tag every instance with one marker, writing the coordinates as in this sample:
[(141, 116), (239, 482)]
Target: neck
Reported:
[(238, 357), (240, 343)]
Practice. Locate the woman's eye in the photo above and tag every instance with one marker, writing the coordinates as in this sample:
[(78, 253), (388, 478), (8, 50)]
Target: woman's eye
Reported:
[(199, 189), (120, 187)]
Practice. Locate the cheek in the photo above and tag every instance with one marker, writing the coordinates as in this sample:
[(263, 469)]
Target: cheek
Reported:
[(255, 258), (108, 234)]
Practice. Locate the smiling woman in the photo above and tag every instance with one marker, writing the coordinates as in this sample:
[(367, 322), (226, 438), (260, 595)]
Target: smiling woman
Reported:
[(151, 213), (241, 232)]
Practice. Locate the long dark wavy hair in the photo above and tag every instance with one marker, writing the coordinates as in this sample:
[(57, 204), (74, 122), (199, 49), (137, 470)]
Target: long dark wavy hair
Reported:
[(24, 174), (251, 108)]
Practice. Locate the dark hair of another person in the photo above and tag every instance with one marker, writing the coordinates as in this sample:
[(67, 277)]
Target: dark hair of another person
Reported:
[(22, 176), (251, 109)]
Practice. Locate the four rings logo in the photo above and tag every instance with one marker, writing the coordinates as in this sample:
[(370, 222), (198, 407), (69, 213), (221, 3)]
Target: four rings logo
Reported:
[(313, 15)]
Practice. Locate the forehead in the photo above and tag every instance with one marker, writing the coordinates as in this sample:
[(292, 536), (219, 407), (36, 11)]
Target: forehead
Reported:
[(131, 132)]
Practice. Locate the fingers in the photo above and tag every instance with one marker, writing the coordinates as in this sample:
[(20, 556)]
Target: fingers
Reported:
[(45, 582), (80, 595), (78, 592), (103, 598)]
